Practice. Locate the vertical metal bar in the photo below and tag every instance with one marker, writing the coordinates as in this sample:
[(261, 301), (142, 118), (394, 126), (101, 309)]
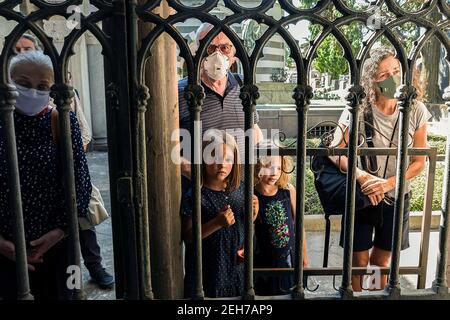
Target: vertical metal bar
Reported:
[(426, 220), (194, 95), (356, 94), (249, 95), (302, 95), (440, 285), (326, 248), (115, 139), (141, 197), (405, 95), (63, 95), (124, 227), (138, 98), (8, 96)]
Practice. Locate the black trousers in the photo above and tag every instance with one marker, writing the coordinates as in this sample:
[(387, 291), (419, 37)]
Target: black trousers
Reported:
[(90, 250), (47, 282)]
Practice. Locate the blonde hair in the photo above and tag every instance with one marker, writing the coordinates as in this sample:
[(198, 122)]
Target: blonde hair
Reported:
[(218, 137), (286, 167)]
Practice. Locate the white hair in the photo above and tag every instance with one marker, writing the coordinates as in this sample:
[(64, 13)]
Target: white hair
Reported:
[(36, 58)]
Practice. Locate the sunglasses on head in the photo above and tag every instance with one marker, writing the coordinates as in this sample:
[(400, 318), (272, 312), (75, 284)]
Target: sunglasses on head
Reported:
[(224, 48)]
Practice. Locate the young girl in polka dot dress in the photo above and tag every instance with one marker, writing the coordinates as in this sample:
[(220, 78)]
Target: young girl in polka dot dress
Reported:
[(222, 216), (274, 227)]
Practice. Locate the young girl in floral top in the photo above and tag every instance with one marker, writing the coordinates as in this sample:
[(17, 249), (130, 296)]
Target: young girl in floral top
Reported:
[(274, 227)]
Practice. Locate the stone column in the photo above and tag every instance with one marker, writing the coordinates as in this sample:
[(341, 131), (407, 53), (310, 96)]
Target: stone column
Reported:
[(164, 202), (97, 92), (80, 75)]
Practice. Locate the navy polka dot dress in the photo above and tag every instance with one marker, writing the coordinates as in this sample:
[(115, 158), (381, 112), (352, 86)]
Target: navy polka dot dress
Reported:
[(223, 273), (41, 177)]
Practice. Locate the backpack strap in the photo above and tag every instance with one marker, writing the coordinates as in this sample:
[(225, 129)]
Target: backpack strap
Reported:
[(390, 145), (238, 79), (369, 163)]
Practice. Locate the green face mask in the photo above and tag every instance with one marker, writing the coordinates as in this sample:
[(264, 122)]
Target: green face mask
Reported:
[(389, 86)]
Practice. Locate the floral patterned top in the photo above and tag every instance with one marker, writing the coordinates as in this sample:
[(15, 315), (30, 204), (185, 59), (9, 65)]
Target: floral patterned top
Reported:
[(274, 231)]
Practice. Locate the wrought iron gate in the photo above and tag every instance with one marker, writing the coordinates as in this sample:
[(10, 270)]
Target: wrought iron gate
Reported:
[(126, 106)]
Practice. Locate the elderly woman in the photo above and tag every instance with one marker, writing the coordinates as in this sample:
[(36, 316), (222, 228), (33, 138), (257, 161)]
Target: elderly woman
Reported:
[(381, 77), (45, 216)]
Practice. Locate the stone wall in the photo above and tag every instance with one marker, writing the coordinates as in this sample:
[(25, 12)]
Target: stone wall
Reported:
[(285, 118)]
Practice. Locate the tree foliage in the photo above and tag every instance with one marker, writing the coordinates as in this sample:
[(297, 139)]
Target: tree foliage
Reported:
[(330, 55)]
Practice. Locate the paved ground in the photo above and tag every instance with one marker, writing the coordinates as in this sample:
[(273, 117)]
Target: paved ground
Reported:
[(98, 165)]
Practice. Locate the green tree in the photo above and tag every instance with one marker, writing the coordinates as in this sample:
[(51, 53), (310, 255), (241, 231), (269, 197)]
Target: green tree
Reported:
[(329, 56)]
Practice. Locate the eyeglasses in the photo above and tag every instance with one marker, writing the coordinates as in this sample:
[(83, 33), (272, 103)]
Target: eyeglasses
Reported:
[(225, 48)]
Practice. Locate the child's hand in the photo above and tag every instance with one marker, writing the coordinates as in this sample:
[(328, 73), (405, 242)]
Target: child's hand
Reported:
[(255, 207), (225, 218), (240, 255)]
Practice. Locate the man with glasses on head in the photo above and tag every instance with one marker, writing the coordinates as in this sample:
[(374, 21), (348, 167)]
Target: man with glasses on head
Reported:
[(222, 108)]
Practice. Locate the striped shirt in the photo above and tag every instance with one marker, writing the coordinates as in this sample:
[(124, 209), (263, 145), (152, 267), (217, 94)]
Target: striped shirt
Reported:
[(223, 113)]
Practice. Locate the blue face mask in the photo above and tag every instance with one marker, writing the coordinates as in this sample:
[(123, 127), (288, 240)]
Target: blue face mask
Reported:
[(389, 86), (31, 101)]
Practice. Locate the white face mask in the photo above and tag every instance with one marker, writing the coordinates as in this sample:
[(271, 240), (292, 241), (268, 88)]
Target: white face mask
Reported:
[(216, 65), (31, 101)]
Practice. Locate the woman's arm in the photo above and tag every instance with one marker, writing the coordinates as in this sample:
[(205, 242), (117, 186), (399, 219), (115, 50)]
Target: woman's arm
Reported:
[(376, 186), (342, 163)]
